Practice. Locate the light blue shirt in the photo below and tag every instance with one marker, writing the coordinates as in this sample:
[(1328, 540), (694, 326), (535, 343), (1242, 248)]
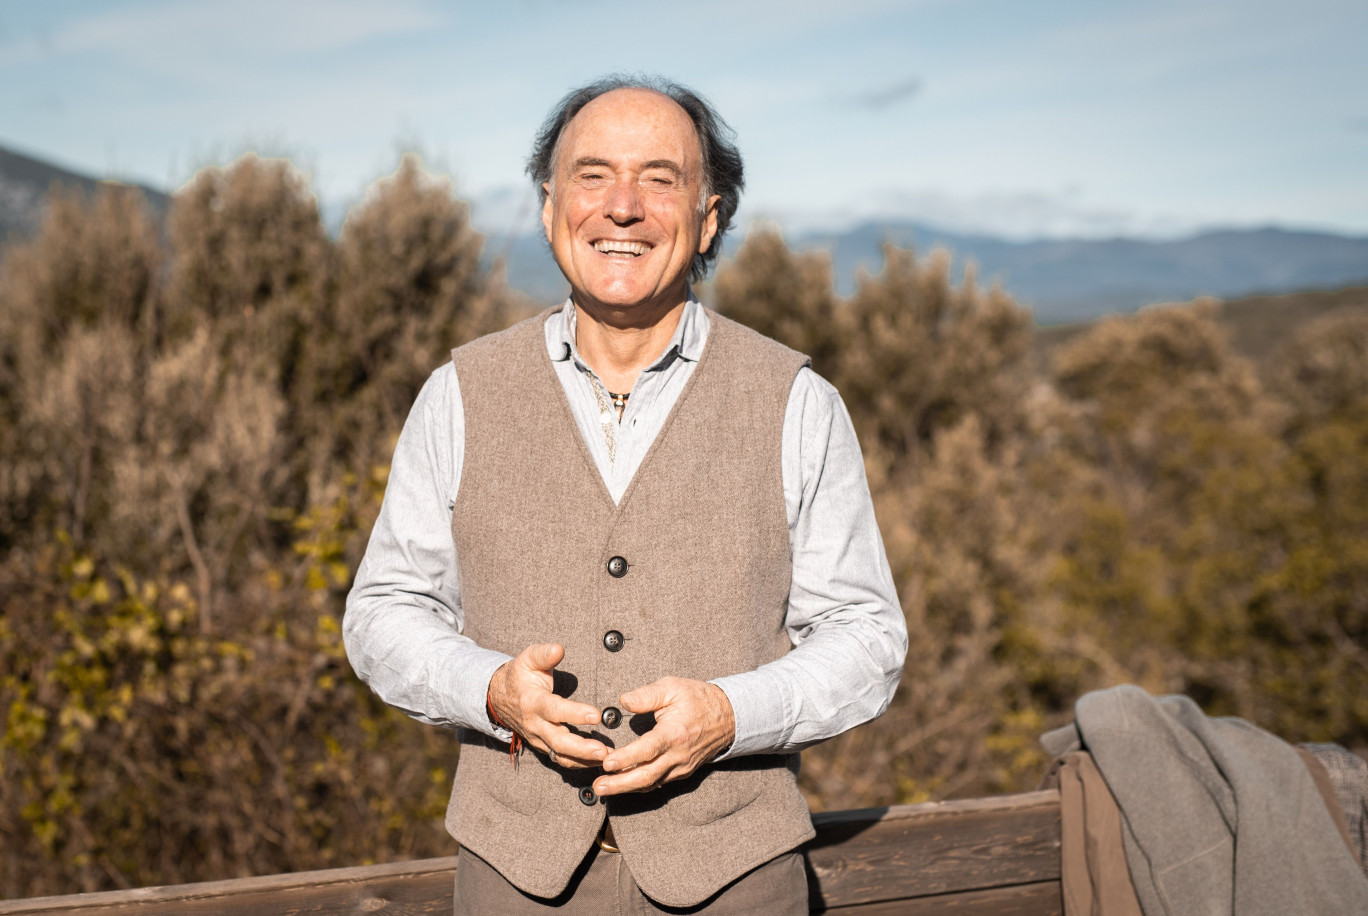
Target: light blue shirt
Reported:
[(403, 626)]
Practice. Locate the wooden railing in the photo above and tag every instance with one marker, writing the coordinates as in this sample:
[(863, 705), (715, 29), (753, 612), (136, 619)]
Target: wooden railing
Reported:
[(983, 856)]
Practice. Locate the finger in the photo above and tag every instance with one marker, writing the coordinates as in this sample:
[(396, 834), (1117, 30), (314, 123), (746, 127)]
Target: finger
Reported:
[(566, 762), (544, 656), (549, 736), (638, 779), (566, 742), (645, 749), (573, 751), (648, 698), (554, 708)]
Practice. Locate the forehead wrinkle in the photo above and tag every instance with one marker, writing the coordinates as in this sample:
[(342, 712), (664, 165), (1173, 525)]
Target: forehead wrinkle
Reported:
[(655, 115)]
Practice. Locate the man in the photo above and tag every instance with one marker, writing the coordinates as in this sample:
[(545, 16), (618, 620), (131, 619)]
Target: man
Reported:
[(603, 532)]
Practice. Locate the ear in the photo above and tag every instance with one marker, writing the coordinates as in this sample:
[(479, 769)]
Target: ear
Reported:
[(709, 224), (546, 210)]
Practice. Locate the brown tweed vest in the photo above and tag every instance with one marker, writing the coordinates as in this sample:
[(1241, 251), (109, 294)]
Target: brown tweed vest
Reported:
[(704, 533)]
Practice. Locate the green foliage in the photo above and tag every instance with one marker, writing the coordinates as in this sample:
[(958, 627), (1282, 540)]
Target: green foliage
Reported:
[(138, 749)]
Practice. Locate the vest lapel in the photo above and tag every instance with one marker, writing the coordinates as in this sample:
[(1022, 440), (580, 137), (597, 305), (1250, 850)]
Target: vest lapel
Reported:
[(568, 415)]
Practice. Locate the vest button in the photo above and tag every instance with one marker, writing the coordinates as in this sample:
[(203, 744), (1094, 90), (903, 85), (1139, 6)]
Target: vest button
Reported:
[(617, 567), (611, 717), (587, 796), (612, 640)]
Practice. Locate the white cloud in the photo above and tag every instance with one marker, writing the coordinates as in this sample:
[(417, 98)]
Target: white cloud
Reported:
[(1005, 214), (764, 17), (209, 33)]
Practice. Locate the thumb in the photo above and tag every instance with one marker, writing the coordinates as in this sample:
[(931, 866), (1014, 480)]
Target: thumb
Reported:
[(646, 699), (546, 656)]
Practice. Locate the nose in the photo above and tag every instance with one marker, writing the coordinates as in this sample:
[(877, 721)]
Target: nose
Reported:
[(623, 202)]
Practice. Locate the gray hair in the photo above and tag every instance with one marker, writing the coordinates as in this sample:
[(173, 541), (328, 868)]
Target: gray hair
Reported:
[(722, 169)]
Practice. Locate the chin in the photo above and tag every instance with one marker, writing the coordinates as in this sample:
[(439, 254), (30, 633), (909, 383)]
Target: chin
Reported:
[(618, 297)]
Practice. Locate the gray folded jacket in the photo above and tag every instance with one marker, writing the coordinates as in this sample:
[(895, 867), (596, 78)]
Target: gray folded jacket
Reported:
[(1348, 776), (1217, 815)]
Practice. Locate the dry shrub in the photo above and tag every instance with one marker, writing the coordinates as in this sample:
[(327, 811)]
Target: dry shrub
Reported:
[(923, 354), (243, 236), (408, 289), (77, 310), (1314, 604), (193, 443), (1146, 513), (783, 295), (1204, 544), (1179, 506), (962, 723), (938, 383), (200, 481), (1323, 371), (94, 262)]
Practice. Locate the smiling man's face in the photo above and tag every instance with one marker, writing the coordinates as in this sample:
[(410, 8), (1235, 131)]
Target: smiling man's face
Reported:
[(623, 211)]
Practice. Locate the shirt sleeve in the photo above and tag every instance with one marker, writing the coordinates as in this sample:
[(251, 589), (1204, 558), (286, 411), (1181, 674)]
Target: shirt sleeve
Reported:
[(403, 624), (844, 619)]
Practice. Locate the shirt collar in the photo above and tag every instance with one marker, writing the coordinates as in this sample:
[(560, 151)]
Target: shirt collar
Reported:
[(687, 343)]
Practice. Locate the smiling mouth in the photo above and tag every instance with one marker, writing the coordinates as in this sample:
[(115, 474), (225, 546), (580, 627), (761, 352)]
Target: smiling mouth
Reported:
[(621, 249)]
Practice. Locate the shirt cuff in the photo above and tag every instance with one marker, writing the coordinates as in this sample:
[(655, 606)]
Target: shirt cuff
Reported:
[(761, 712), (474, 691)]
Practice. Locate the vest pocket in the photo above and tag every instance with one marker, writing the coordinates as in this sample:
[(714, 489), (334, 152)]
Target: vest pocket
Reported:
[(484, 770), (723, 790)]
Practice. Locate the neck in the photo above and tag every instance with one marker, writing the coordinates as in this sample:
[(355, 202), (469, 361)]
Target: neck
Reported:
[(619, 343)]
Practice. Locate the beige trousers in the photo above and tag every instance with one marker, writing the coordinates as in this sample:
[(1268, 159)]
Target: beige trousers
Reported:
[(603, 885)]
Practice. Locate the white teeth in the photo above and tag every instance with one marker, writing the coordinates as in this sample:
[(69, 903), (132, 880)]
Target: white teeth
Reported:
[(611, 246)]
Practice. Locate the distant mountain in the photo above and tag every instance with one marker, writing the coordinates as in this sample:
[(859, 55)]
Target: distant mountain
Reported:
[(1074, 279), (24, 181)]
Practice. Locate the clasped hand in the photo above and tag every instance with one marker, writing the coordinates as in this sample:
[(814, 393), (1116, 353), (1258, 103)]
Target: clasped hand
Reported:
[(693, 723)]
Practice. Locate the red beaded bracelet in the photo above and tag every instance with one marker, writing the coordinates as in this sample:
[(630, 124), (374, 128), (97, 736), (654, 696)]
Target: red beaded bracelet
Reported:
[(514, 743)]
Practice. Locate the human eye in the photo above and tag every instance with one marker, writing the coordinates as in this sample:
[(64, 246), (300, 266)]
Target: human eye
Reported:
[(591, 178), (660, 181)]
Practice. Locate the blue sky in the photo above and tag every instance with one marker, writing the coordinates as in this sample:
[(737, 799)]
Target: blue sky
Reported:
[(1017, 118)]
